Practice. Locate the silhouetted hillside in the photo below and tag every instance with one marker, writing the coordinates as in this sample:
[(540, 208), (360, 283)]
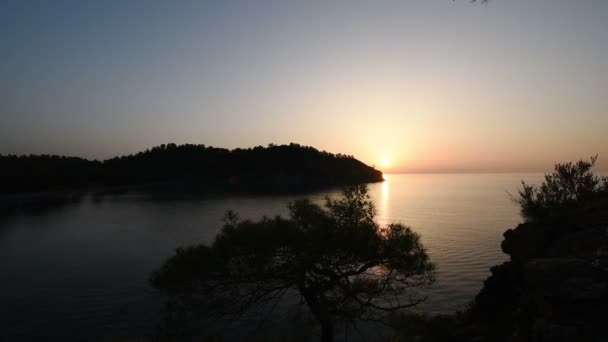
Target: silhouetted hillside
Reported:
[(189, 168), (45, 172)]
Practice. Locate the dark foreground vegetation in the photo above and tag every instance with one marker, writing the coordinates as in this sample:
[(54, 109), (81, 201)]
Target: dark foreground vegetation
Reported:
[(334, 260), (346, 268), (188, 168), (555, 285)]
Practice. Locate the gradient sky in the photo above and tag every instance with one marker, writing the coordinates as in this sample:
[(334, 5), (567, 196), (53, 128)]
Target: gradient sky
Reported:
[(429, 85)]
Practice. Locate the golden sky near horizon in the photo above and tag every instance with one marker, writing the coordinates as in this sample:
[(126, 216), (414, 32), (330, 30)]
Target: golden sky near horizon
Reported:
[(411, 86)]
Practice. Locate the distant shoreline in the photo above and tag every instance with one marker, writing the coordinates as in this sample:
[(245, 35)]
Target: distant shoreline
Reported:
[(36, 180)]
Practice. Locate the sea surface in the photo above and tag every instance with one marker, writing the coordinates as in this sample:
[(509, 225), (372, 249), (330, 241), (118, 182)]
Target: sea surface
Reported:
[(80, 272)]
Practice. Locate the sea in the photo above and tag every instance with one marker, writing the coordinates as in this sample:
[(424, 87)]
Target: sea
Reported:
[(81, 271)]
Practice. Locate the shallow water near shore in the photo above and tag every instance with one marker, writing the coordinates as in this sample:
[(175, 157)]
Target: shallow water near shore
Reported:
[(80, 271)]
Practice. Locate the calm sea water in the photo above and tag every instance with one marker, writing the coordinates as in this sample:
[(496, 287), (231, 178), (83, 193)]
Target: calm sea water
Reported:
[(81, 272)]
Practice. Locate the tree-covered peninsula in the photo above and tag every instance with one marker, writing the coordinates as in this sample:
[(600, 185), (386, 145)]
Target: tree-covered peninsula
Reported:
[(192, 168)]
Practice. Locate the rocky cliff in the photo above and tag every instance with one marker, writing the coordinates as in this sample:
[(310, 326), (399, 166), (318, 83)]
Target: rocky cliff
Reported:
[(555, 285)]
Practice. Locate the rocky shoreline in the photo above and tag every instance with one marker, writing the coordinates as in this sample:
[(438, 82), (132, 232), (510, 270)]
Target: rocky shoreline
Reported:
[(555, 285)]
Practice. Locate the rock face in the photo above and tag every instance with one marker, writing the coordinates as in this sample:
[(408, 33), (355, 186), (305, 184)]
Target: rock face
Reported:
[(555, 287)]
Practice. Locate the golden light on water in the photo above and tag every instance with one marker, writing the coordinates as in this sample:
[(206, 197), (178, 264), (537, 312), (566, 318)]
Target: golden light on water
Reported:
[(383, 201)]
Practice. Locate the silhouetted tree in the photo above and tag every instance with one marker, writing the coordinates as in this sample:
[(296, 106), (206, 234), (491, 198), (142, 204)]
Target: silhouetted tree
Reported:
[(337, 258), (569, 185)]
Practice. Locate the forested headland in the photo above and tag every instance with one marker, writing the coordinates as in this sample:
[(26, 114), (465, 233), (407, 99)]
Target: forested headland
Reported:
[(192, 168)]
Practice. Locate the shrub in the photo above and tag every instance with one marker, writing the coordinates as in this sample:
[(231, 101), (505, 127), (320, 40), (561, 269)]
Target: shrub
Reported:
[(569, 185)]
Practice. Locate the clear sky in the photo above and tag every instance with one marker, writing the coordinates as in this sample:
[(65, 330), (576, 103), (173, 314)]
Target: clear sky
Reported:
[(421, 85)]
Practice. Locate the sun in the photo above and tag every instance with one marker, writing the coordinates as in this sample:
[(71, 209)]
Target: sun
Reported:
[(385, 162)]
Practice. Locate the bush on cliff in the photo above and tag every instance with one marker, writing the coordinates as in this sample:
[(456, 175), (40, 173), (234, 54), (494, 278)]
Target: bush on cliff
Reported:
[(555, 286), (568, 186)]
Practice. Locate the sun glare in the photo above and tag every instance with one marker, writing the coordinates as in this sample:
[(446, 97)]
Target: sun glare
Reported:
[(385, 162)]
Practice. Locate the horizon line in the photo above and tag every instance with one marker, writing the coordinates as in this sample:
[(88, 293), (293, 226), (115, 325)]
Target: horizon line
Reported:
[(478, 172)]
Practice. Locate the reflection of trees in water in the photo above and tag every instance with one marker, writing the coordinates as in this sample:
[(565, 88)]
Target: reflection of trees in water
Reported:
[(38, 203)]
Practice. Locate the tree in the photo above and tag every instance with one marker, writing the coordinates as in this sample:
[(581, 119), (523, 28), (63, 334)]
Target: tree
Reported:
[(570, 184), (342, 264)]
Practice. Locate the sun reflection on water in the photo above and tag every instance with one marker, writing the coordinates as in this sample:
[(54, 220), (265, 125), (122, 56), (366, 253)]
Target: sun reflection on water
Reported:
[(383, 201)]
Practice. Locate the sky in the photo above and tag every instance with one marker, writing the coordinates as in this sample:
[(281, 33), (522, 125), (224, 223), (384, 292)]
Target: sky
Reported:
[(408, 85)]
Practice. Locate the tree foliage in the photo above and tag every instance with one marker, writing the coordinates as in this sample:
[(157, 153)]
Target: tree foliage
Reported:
[(190, 167), (341, 263), (569, 185)]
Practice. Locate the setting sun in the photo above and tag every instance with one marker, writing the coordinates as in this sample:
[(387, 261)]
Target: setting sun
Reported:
[(387, 170)]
